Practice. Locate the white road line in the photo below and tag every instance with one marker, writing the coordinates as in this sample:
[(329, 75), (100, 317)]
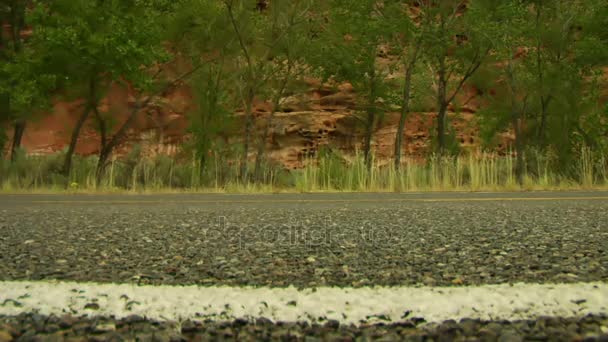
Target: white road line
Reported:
[(347, 305)]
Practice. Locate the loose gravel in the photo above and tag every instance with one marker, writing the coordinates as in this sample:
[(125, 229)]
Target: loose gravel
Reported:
[(307, 246), (390, 244), (34, 327)]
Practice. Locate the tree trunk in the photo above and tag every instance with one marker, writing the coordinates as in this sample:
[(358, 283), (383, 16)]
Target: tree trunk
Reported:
[(544, 103), (5, 115), (248, 126), (260, 155), (17, 22), (519, 147), (90, 104), (104, 154), (442, 108), (106, 151), (367, 144), (250, 92), (405, 104), (405, 109), (544, 99), (3, 140), (371, 119), (205, 119), (262, 146), (67, 162), (516, 123), (202, 160), (444, 100), (17, 137), (441, 120), (102, 126)]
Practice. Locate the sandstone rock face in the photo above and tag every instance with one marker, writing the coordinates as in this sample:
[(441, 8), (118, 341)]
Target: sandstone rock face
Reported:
[(323, 116), (326, 117)]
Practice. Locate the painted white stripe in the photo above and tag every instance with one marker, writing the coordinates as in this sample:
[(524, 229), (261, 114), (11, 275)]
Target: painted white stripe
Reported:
[(347, 305)]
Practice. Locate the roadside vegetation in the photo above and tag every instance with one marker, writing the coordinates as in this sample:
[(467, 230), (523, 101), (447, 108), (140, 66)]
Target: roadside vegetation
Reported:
[(327, 172), (538, 68)]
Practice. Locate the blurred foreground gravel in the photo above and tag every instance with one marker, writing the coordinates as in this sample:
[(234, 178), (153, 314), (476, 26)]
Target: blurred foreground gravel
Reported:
[(68, 328)]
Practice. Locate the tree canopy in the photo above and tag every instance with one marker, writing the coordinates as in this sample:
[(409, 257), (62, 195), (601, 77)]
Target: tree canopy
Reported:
[(538, 65)]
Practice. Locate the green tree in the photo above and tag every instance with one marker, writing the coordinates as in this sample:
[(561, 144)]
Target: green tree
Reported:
[(104, 42), (454, 49), (286, 31), (212, 116), (565, 54), (508, 27), (25, 78), (348, 51), (250, 62), (575, 50), (13, 12), (201, 32), (592, 53), (552, 40), (546, 56), (261, 33), (407, 40)]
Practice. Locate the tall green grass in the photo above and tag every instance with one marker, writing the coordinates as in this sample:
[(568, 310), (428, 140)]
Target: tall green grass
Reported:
[(327, 172), (482, 172)]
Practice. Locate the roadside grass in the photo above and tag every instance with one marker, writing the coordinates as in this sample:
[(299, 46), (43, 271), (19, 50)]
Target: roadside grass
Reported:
[(485, 172), (329, 172)]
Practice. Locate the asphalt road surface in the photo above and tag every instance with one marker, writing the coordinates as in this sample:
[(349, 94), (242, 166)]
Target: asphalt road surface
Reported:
[(308, 240)]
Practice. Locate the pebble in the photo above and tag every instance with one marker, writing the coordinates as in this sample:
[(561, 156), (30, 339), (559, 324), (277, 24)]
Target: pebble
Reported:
[(510, 336), (5, 336), (105, 327)]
